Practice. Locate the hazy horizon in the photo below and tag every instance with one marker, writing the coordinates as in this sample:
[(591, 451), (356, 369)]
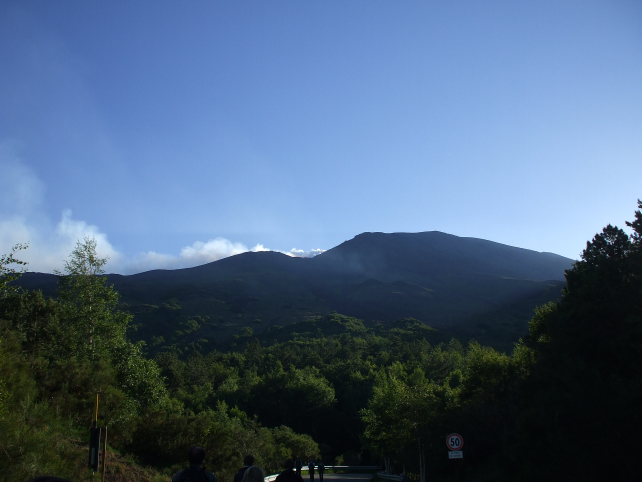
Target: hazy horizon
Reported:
[(179, 134), (198, 255)]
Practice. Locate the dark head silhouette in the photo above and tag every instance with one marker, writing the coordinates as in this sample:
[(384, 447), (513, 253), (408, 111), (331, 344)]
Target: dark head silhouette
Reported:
[(196, 455)]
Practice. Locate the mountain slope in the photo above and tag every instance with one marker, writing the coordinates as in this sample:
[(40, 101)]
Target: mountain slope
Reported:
[(466, 285), (432, 255)]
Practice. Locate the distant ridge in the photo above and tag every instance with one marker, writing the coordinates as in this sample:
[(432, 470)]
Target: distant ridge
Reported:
[(386, 256), (467, 285)]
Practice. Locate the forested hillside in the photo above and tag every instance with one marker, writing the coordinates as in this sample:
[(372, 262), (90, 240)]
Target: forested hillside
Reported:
[(468, 286), (561, 405)]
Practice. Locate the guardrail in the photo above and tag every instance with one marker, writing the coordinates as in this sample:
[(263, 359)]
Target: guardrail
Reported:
[(328, 468)]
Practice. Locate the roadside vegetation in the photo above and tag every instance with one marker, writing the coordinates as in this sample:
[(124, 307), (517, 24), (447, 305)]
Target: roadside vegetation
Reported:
[(563, 403)]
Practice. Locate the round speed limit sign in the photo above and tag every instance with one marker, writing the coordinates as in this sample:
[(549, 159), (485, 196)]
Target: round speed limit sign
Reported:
[(454, 441)]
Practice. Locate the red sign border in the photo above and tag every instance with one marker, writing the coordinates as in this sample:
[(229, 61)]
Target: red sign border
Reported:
[(460, 438)]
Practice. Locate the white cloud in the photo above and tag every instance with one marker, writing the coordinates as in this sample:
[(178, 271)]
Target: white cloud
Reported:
[(299, 253), (69, 231), (212, 250), (48, 248), (260, 247), (200, 253), (197, 254), (22, 220)]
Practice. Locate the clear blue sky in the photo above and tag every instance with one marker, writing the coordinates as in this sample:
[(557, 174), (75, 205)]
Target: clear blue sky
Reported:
[(180, 132)]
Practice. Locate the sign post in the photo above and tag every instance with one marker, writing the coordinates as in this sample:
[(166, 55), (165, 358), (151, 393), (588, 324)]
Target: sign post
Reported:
[(455, 442)]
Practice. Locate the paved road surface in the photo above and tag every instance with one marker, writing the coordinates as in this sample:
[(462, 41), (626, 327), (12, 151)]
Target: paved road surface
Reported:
[(340, 477)]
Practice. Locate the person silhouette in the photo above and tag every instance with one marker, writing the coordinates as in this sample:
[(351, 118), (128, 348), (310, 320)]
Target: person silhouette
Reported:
[(288, 475), (248, 461), (311, 470), (195, 471)]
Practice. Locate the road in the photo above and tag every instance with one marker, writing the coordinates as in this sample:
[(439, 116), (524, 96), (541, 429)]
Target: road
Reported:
[(340, 477)]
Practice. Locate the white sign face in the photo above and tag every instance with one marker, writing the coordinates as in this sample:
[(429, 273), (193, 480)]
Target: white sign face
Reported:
[(454, 441), (455, 454)]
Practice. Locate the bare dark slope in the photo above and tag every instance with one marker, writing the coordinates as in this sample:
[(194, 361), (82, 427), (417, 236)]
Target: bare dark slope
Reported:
[(434, 255), (469, 285)]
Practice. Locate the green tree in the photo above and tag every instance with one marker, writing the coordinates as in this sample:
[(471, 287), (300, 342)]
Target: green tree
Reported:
[(226, 435), (139, 377), (400, 415), (586, 387), (11, 268), (298, 397), (94, 329), (36, 319), (93, 323)]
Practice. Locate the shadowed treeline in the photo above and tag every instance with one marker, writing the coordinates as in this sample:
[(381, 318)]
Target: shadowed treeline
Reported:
[(331, 386), (469, 286)]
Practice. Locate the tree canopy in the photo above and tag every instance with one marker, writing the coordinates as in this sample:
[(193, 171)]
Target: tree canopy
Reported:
[(564, 403), (11, 268)]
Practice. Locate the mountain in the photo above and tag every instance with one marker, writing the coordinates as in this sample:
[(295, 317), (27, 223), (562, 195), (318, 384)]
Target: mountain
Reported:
[(468, 286), (433, 254)]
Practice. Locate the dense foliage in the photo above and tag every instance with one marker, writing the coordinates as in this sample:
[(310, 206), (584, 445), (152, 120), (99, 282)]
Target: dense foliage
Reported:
[(564, 403), (315, 380), (56, 355), (581, 410)]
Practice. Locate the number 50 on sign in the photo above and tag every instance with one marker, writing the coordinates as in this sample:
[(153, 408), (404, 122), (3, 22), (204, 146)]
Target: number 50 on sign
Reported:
[(454, 441)]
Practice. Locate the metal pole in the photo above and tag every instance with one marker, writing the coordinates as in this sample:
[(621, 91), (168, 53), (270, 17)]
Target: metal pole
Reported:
[(94, 441), (104, 452)]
